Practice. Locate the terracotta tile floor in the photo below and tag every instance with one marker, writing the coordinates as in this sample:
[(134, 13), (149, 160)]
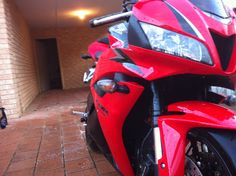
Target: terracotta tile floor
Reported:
[(48, 141)]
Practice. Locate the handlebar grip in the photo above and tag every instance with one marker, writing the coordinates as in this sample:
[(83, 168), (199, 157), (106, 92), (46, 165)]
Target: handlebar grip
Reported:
[(86, 56), (109, 19)]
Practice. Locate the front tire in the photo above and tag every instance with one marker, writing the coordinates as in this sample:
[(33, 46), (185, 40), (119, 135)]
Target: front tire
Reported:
[(90, 109), (208, 153), (204, 157), (90, 142)]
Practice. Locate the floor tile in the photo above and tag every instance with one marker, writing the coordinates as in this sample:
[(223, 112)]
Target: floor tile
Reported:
[(51, 136)]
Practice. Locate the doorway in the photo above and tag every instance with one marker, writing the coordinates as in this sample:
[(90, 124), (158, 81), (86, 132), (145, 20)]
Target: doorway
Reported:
[(48, 64)]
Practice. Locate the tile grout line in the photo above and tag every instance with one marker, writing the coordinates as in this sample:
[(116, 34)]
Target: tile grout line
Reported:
[(84, 138), (93, 163), (37, 155), (5, 172), (62, 148)]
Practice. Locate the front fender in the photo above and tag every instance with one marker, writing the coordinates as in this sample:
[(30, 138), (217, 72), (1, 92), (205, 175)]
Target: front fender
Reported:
[(174, 129)]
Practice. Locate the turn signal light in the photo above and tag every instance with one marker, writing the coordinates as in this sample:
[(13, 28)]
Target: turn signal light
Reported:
[(107, 85)]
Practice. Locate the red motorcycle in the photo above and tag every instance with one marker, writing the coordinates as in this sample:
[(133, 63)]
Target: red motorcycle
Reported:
[(158, 88)]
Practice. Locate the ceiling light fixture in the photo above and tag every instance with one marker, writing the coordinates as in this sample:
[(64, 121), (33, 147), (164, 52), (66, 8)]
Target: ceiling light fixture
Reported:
[(81, 14)]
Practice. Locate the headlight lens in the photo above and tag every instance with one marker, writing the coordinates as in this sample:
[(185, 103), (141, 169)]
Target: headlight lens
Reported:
[(176, 44)]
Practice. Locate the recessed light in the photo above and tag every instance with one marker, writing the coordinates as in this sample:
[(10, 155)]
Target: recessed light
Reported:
[(82, 13)]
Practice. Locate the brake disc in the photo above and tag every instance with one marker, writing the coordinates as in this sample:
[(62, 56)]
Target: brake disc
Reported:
[(191, 169)]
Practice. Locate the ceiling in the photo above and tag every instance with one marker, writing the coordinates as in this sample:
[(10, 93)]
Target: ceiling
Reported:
[(56, 13)]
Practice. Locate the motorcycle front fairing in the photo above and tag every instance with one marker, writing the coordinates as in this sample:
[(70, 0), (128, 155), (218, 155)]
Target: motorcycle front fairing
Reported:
[(139, 61), (97, 48), (112, 110), (174, 130), (185, 19)]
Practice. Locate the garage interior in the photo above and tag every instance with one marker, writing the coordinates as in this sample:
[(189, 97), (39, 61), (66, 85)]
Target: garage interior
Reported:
[(31, 31), (48, 64), (40, 47)]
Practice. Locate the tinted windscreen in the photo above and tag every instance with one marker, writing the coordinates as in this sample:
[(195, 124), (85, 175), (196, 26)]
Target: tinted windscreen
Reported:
[(214, 7)]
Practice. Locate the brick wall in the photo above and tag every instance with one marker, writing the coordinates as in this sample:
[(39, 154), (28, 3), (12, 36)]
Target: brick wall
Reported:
[(18, 81), (18, 67), (72, 43)]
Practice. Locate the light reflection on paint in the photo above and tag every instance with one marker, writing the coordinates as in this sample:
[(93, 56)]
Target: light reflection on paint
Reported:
[(139, 70)]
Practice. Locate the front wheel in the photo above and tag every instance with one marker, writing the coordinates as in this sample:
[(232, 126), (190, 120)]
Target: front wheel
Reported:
[(208, 153), (90, 142), (90, 110), (204, 157)]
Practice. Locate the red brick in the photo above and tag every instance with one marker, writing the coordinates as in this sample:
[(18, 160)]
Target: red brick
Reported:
[(89, 172), (20, 73), (26, 172), (3, 165), (74, 159), (79, 165), (46, 165), (57, 172), (72, 42), (104, 167), (29, 146), (75, 155), (71, 139), (49, 147), (74, 146), (19, 156), (21, 165), (111, 174), (50, 155), (97, 156)]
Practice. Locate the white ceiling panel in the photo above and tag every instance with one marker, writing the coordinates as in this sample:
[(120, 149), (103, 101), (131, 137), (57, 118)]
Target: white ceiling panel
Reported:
[(55, 13)]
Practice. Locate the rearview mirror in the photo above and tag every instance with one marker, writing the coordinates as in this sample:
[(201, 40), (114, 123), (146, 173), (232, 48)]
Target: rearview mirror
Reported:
[(130, 1)]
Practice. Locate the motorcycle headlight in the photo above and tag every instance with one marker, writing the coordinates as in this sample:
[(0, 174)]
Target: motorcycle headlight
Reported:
[(176, 44)]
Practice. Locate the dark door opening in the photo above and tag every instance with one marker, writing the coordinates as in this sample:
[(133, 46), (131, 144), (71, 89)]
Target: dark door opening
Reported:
[(48, 64)]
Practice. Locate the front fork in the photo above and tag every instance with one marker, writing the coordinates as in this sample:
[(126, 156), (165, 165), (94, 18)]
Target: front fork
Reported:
[(156, 112)]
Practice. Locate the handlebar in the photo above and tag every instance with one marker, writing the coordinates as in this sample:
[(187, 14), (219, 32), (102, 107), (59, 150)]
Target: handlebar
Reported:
[(86, 56), (109, 18)]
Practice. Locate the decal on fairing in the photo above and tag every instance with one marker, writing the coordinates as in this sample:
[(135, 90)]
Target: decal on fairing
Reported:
[(185, 23), (121, 57), (101, 107), (130, 65)]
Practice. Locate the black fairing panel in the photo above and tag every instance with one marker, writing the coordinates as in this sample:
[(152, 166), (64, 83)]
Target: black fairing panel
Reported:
[(95, 131), (94, 128), (136, 35), (225, 46), (104, 40)]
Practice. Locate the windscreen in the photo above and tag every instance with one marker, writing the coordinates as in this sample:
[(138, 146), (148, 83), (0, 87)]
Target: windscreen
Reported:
[(213, 7)]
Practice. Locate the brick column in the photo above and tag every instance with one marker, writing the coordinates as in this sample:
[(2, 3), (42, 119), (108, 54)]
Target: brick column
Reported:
[(8, 92)]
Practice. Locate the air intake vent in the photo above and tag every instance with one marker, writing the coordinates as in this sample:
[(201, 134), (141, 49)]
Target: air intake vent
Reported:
[(224, 47)]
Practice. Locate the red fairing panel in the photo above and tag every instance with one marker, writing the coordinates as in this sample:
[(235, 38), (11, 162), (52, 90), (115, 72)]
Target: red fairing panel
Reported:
[(159, 65), (174, 129), (111, 115), (107, 67), (148, 11), (97, 47)]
